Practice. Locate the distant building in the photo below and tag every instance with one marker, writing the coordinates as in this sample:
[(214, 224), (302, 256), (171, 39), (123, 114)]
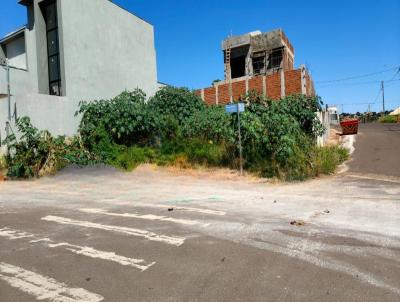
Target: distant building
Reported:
[(73, 50), (334, 117), (263, 62)]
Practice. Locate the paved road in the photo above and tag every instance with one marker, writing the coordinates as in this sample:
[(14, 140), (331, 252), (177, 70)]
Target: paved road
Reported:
[(100, 235), (377, 150)]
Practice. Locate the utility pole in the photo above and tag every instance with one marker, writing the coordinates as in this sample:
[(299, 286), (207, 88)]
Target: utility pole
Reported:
[(383, 97), (8, 91), (240, 141)]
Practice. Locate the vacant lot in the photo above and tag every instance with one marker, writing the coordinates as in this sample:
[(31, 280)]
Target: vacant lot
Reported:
[(160, 235)]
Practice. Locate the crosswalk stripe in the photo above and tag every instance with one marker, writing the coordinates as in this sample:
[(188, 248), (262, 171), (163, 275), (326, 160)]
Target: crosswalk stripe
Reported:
[(13, 235), (173, 240), (147, 217), (79, 250), (178, 208), (110, 256), (44, 288)]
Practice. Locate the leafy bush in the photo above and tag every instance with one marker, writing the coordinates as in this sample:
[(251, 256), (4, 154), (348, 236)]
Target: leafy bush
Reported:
[(388, 119), (179, 103), (124, 120), (210, 124), (38, 152), (175, 128)]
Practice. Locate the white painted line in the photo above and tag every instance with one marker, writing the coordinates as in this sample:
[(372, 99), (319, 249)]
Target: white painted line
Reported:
[(147, 217), (44, 288), (179, 208), (79, 250), (13, 234), (109, 256), (173, 240)]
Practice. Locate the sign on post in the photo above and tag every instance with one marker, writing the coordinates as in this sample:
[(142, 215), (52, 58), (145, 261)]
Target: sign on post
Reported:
[(234, 108), (237, 108)]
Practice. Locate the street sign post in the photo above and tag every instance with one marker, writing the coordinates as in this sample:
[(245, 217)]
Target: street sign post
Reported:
[(234, 108), (237, 108)]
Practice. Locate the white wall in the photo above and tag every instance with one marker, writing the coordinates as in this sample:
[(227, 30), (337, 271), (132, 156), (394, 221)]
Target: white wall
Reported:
[(106, 50), (52, 113), (20, 81), (323, 116), (16, 53)]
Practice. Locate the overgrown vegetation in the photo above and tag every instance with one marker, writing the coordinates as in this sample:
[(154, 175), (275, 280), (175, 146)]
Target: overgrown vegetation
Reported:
[(37, 152), (388, 119), (176, 128)]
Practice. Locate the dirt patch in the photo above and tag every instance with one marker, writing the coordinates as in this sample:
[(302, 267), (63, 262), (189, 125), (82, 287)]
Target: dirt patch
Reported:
[(334, 138), (204, 173)]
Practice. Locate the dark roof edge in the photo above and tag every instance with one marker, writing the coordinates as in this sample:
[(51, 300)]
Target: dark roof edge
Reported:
[(25, 2), (13, 35)]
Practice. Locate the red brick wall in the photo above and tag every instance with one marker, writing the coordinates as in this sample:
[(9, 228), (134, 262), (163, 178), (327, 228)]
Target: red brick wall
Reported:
[(223, 94), (293, 82), (274, 86), (238, 89), (256, 84), (210, 96)]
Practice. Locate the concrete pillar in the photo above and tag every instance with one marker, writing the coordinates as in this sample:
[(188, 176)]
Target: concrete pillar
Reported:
[(303, 80), (202, 95), (283, 89), (216, 95), (264, 84), (247, 85)]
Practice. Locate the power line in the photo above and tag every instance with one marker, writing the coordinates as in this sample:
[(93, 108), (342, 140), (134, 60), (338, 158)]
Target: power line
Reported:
[(379, 94), (357, 83), (360, 76), (396, 73)]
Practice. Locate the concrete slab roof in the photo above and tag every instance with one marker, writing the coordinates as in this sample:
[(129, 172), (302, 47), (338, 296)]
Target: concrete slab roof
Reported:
[(245, 39)]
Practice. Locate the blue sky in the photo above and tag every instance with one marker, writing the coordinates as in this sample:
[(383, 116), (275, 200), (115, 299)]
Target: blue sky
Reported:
[(335, 39)]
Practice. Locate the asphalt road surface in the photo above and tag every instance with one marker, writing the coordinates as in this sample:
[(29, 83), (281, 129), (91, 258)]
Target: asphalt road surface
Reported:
[(156, 235), (377, 150)]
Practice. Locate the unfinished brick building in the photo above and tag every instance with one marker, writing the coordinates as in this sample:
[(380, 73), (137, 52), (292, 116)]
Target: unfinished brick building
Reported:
[(263, 62)]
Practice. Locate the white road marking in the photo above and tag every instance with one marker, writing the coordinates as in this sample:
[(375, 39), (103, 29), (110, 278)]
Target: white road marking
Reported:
[(173, 240), (179, 208), (13, 234), (44, 288), (110, 256), (81, 250), (148, 217)]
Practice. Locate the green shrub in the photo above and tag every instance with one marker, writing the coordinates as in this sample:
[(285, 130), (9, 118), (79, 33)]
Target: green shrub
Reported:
[(25, 158), (175, 128), (3, 165), (131, 157), (388, 119), (205, 153), (210, 124), (327, 159), (179, 103), (124, 120), (38, 152)]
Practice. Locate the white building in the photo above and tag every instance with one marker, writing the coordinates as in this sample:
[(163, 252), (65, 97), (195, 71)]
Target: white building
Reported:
[(72, 50)]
